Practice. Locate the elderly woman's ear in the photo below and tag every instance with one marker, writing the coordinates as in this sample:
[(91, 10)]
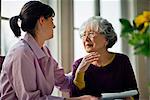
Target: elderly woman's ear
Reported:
[(106, 43)]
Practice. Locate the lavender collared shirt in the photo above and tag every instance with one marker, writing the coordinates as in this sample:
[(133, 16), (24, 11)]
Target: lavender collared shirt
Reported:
[(30, 73)]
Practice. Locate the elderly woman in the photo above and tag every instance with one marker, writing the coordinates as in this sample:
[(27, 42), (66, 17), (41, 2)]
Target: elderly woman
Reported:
[(110, 72)]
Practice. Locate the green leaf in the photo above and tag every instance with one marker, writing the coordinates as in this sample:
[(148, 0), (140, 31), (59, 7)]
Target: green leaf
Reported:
[(125, 23), (147, 30), (134, 25), (127, 28), (141, 43), (140, 27)]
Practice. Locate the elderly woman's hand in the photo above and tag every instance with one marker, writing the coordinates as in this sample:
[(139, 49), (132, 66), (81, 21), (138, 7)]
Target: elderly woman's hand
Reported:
[(87, 60)]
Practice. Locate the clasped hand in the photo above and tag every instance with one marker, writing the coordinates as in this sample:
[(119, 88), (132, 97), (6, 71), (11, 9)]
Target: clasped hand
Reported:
[(87, 60)]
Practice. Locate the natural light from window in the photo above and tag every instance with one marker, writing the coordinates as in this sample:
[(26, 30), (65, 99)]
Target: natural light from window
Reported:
[(9, 8), (110, 10), (83, 9)]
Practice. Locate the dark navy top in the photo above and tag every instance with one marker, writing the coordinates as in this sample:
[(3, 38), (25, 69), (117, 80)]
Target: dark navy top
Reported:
[(117, 76)]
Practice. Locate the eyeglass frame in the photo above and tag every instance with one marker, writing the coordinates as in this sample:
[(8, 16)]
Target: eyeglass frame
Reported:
[(90, 35)]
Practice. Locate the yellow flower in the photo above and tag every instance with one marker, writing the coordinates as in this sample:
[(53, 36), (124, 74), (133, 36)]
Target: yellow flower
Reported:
[(143, 19), (146, 24), (138, 33)]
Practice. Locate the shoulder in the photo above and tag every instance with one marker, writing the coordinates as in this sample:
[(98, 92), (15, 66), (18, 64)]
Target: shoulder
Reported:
[(75, 65), (77, 62), (20, 50), (121, 56), (123, 60)]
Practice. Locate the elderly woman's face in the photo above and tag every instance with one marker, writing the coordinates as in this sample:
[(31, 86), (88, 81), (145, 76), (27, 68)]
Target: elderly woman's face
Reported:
[(93, 41)]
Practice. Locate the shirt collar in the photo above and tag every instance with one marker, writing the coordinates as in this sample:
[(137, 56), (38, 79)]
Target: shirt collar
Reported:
[(34, 46)]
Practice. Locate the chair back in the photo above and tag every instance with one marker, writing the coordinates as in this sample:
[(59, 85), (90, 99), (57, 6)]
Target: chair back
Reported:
[(1, 61)]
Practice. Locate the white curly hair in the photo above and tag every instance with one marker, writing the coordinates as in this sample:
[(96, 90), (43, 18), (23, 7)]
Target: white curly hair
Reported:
[(101, 25)]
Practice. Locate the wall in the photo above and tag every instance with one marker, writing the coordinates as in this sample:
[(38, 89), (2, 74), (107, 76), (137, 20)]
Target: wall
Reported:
[(142, 64)]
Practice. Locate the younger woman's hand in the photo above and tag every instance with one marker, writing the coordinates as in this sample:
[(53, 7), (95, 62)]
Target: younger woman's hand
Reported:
[(88, 97), (87, 60), (84, 97)]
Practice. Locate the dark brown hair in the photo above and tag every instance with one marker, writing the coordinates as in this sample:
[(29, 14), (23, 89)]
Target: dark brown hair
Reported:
[(29, 15)]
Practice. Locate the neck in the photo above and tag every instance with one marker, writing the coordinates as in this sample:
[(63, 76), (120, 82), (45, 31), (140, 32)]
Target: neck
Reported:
[(103, 53), (40, 41), (104, 59)]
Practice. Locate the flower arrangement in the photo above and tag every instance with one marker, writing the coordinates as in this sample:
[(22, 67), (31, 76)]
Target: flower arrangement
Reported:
[(138, 33)]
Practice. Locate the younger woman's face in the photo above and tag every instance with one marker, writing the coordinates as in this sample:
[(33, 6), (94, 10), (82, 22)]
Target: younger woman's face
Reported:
[(49, 26), (45, 28), (93, 41)]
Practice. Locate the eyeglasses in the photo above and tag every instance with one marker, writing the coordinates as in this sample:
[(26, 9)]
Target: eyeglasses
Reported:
[(89, 35)]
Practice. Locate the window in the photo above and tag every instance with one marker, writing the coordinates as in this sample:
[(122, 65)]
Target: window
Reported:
[(83, 9), (110, 10), (9, 8)]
